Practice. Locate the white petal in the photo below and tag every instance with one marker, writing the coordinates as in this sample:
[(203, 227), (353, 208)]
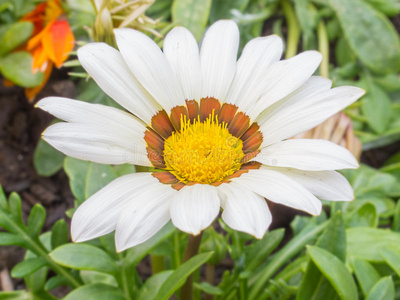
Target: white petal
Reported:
[(144, 216), (81, 112), (248, 84), (182, 52), (98, 215), (218, 56), (244, 210), (98, 144), (279, 188), (108, 69), (307, 154), (194, 208), (149, 65), (284, 77), (312, 87), (326, 185), (288, 120)]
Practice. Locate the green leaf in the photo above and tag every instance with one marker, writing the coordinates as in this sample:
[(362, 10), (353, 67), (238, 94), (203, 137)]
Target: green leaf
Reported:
[(17, 295), (388, 7), (28, 266), (376, 106), (135, 254), (89, 277), (221, 9), (366, 29), (55, 282), (98, 176), (191, 14), (59, 234), (314, 285), (84, 257), (36, 220), (392, 258), (382, 290), (396, 218), (124, 169), (76, 170), (15, 207), (365, 216), (17, 66), (7, 239), (179, 276), (208, 288), (335, 271), (261, 249), (96, 291), (46, 159), (15, 35), (3, 199), (367, 275), (365, 243), (150, 288)]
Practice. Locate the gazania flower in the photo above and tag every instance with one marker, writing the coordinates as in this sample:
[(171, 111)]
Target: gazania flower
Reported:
[(215, 130), (51, 42)]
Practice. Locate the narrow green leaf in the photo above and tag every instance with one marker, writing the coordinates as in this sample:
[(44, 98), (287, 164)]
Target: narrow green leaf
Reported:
[(382, 290), (150, 288), (59, 234), (191, 14), (96, 291), (3, 199), (367, 275), (388, 7), (396, 218), (365, 28), (98, 176), (55, 282), (15, 207), (179, 276), (28, 266), (46, 159), (15, 35), (335, 271), (263, 248), (365, 243), (392, 258), (36, 220), (90, 277), (7, 239), (17, 295), (314, 285), (208, 288), (16, 67), (77, 171), (84, 257)]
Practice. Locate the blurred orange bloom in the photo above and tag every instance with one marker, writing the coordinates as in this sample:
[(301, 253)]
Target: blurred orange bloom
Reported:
[(51, 42)]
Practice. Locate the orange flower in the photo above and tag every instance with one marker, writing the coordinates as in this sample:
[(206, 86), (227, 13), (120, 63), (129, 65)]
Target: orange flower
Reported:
[(51, 42)]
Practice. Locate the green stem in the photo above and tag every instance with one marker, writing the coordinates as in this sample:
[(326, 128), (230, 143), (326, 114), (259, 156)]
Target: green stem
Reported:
[(157, 263), (283, 256), (192, 248), (177, 248), (323, 45), (293, 29), (39, 250), (123, 278)]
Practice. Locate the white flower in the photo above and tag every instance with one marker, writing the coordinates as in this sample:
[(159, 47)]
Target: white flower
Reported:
[(215, 129)]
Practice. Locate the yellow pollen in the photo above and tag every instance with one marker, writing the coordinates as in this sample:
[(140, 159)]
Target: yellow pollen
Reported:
[(203, 152)]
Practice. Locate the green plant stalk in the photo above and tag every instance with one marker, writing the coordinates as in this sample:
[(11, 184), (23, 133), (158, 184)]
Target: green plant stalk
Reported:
[(283, 256), (192, 248), (293, 28), (323, 46), (123, 279), (157, 263), (39, 250), (176, 257)]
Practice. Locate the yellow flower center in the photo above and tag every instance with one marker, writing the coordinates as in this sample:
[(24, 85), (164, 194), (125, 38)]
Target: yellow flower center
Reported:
[(203, 152)]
